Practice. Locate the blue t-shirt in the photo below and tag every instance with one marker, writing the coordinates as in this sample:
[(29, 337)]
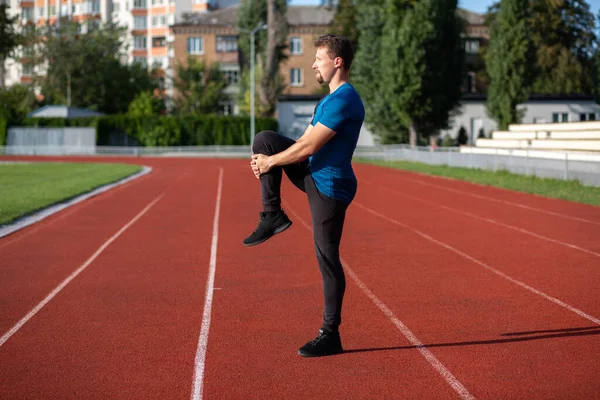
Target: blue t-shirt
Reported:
[(343, 112)]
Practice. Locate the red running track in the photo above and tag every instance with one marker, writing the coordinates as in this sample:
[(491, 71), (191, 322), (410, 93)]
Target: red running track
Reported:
[(454, 291)]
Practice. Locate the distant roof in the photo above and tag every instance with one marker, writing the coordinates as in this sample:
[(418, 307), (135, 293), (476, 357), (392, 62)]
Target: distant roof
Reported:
[(63, 112), (471, 17), (307, 15), (297, 15)]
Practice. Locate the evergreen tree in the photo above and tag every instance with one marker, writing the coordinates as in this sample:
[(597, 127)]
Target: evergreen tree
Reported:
[(509, 62)]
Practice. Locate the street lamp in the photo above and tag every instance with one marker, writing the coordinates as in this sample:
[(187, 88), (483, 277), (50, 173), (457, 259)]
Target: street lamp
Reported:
[(252, 32)]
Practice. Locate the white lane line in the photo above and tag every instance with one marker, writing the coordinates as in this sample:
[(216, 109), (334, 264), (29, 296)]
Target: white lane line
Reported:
[(203, 340), (510, 203), (492, 221), (439, 367), (60, 287), (484, 265)]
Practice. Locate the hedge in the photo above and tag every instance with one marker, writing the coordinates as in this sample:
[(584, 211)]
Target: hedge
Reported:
[(159, 131)]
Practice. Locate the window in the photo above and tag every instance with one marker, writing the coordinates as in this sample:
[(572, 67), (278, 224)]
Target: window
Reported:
[(27, 13), (28, 51), (64, 9), (52, 11), (227, 43), (40, 12), (587, 116), (159, 41), (139, 42), (116, 7), (139, 3), (472, 46), (96, 6), (296, 45), (159, 20), (195, 45), (560, 117), (296, 77), (139, 22), (227, 108), (143, 61), (157, 2), (27, 69), (232, 77)]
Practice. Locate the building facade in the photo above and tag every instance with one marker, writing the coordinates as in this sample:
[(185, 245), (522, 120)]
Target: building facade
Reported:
[(147, 21), (212, 37)]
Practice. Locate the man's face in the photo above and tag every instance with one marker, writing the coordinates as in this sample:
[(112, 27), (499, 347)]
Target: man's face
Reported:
[(324, 65)]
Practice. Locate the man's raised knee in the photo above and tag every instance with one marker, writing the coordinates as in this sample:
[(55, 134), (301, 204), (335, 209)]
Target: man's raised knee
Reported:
[(260, 141)]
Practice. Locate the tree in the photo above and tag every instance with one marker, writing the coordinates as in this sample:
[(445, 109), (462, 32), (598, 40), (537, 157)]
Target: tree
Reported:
[(367, 74), (270, 46), (564, 39), (200, 88), (146, 104), (9, 39), (462, 138), (345, 20), (422, 63), (105, 84), (509, 62)]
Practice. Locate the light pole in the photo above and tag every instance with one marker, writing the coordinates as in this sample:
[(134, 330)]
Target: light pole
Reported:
[(252, 32)]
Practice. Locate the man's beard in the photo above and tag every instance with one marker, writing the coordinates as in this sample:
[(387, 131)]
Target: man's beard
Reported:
[(320, 78)]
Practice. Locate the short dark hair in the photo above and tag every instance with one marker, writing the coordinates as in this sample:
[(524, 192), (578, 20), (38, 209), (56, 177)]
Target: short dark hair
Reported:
[(337, 46)]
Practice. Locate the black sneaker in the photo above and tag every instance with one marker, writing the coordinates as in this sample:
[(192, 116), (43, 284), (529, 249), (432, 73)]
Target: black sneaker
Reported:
[(269, 225), (326, 344)]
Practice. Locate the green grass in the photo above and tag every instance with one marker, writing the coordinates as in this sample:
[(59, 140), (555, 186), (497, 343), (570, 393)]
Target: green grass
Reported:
[(25, 188), (570, 190)]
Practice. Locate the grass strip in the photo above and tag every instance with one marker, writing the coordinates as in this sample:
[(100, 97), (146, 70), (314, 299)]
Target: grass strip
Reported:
[(29, 187), (571, 190)]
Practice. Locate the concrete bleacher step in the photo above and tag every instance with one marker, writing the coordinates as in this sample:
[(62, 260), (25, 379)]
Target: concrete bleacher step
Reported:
[(540, 144), (564, 135), (556, 127)]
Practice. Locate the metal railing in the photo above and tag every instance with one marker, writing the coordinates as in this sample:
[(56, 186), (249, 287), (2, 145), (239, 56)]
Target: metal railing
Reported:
[(584, 167)]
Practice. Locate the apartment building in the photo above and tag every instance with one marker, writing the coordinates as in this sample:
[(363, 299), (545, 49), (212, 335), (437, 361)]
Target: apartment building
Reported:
[(476, 36), (147, 22), (212, 37)]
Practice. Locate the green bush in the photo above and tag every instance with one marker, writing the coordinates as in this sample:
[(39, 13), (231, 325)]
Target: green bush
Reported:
[(164, 130), (3, 129)]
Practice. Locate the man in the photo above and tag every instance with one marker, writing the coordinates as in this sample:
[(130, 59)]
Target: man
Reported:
[(318, 163)]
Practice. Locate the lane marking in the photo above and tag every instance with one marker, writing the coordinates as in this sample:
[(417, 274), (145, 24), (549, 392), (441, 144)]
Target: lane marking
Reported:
[(484, 265), (64, 283), (199, 362), (492, 221), (510, 203), (437, 365)]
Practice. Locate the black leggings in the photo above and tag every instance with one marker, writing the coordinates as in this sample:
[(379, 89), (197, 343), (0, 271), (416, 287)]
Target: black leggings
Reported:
[(327, 220)]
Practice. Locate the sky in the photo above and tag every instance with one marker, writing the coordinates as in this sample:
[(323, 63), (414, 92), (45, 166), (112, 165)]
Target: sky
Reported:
[(478, 6)]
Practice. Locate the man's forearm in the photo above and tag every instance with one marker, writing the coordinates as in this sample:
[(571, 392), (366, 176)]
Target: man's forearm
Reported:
[(296, 153)]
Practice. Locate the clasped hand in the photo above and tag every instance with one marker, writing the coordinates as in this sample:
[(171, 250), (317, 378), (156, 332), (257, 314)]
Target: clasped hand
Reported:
[(260, 165)]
